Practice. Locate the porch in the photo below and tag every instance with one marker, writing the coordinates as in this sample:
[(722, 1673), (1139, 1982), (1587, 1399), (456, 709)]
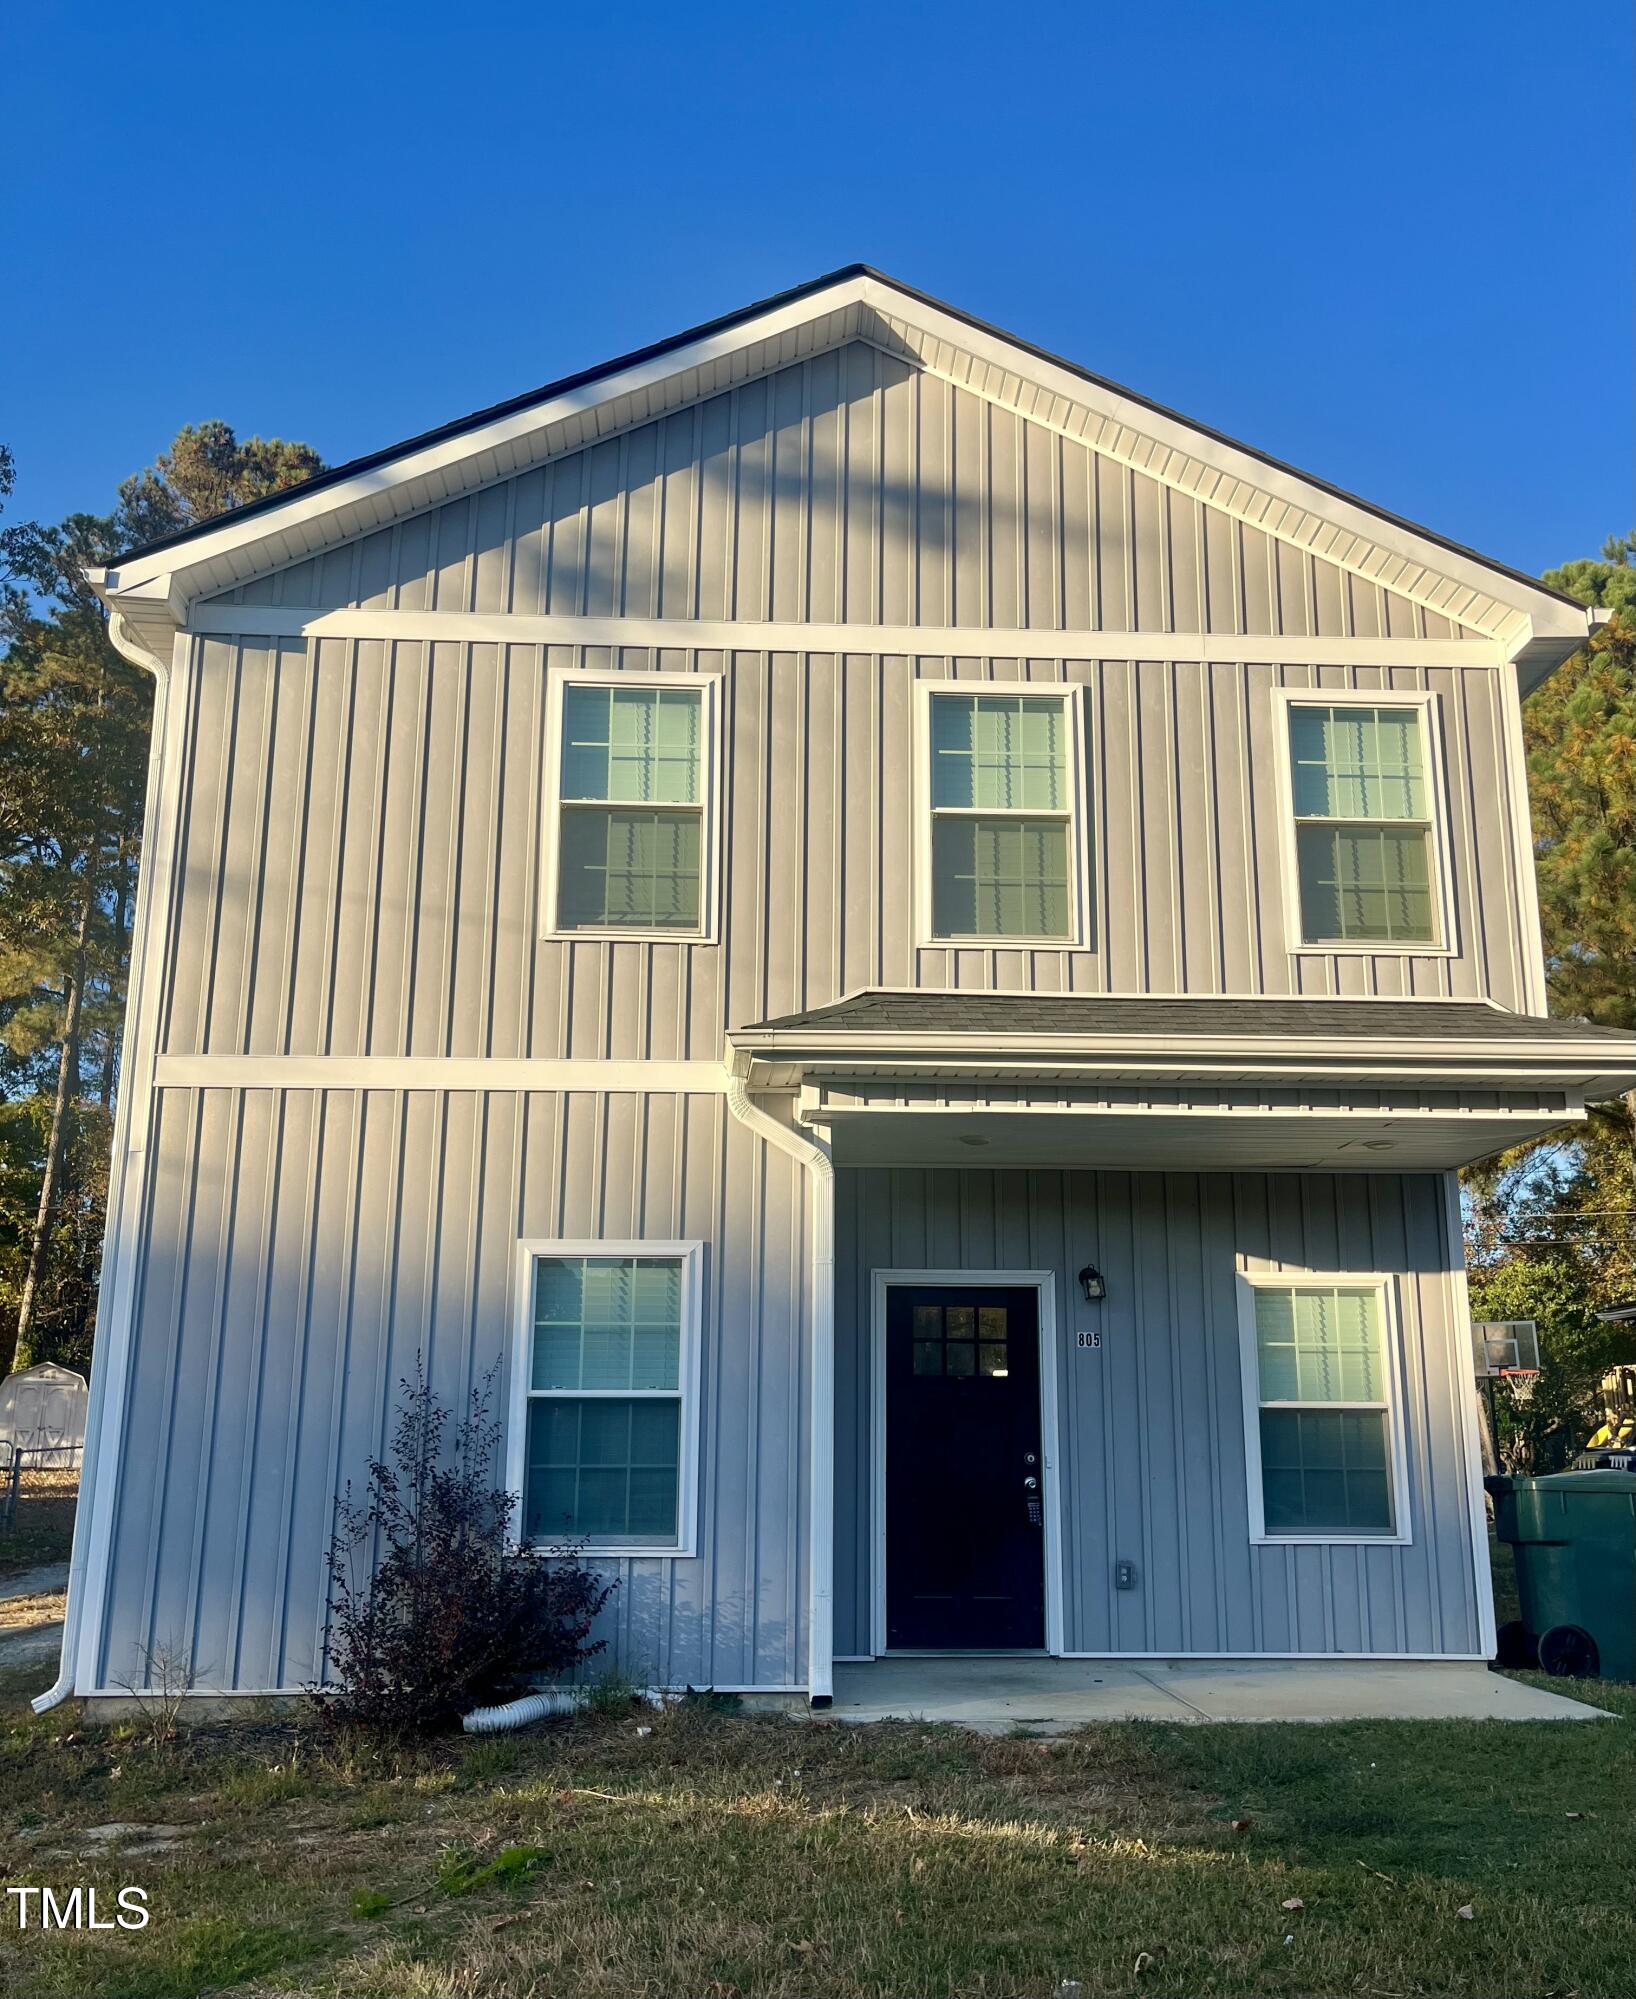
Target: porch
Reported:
[(1054, 1217), (1049, 1697)]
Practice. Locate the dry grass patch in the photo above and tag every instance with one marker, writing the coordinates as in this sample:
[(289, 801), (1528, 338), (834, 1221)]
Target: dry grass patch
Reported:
[(718, 1855)]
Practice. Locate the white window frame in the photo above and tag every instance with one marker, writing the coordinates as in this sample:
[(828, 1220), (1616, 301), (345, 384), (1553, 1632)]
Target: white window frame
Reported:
[(1384, 1285), (1445, 943), (1071, 699), (708, 687), (691, 1256)]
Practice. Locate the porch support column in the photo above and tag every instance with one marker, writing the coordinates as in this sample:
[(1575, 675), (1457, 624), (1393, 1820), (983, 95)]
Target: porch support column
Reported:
[(815, 1157)]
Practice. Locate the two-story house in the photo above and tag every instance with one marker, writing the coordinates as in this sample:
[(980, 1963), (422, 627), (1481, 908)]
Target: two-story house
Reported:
[(908, 942)]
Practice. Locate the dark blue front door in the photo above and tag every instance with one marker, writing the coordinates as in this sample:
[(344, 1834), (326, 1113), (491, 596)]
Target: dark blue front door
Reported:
[(965, 1566)]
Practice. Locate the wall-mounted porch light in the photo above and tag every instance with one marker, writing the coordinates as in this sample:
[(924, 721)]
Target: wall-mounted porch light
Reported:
[(1090, 1282)]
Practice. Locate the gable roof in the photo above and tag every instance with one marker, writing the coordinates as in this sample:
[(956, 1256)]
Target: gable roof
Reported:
[(152, 586)]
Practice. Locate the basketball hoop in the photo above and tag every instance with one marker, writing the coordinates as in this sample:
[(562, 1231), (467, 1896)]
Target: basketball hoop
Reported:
[(1506, 1350)]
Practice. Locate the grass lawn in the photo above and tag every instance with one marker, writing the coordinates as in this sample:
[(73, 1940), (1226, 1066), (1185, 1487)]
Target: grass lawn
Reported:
[(709, 1854)]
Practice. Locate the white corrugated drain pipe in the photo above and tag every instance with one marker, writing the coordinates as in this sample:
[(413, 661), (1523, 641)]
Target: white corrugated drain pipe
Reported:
[(813, 1155), (542, 1706), (518, 1714)]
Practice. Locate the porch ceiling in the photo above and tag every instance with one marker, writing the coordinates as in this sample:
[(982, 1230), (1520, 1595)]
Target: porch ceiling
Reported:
[(1168, 1140)]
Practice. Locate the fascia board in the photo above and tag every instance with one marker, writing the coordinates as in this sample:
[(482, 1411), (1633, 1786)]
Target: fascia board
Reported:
[(1541, 625), (439, 456), (841, 1046), (1547, 615), (779, 1068)]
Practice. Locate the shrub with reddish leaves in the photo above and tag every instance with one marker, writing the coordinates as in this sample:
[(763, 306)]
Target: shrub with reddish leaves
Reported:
[(434, 1608)]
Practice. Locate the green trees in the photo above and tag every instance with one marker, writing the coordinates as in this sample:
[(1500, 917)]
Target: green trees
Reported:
[(1551, 1232), (74, 721), (1581, 732)]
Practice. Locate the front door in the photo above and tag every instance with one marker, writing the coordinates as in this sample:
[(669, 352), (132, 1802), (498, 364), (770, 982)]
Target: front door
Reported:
[(965, 1564)]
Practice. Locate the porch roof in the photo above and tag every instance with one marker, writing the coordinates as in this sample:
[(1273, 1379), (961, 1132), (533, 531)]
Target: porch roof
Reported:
[(1103, 1079)]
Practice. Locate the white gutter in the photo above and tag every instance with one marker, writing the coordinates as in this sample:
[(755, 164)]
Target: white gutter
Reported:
[(815, 1157)]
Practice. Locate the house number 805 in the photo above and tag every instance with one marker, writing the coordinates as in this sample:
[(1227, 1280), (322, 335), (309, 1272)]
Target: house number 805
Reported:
[(1090, 1339)]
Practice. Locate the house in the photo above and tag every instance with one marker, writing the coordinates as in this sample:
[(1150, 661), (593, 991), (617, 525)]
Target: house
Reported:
[(908, 942)]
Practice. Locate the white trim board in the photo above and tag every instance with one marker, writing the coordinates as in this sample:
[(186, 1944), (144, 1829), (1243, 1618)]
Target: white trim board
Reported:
[(1043, 1282), (214, 620), (1136, 993), (438, 1072), (416, 478), (1308, 1658), (1464, 1392), (812, 1154), (129, 1171), (1531, 942)]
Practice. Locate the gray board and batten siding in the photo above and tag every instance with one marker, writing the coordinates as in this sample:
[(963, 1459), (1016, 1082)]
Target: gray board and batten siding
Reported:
[(850, 488), (1150, 1446), (360, 852), (358, 826), (302, 1246)]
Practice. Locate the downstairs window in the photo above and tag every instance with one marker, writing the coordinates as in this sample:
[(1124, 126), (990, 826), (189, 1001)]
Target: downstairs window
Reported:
[(1323, 1434), (608, 1397)]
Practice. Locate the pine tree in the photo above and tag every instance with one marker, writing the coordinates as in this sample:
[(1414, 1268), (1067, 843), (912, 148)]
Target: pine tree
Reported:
[(74, 725)]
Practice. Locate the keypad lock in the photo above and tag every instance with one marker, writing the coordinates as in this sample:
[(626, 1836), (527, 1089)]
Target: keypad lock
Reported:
[(1031, 1486)]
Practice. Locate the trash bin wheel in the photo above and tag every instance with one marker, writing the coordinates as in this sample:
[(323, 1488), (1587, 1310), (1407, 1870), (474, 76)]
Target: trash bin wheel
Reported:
[(1568, 1653), (1515, 1645)]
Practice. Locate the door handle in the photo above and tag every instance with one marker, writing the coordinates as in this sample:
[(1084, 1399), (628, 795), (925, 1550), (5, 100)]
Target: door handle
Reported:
[(1031, 1485)]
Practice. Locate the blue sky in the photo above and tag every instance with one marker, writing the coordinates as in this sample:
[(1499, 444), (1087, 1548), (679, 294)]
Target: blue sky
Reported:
[(1389, 243)]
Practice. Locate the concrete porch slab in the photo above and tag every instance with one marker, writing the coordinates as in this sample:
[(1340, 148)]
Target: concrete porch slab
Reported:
[(1051, 1696)]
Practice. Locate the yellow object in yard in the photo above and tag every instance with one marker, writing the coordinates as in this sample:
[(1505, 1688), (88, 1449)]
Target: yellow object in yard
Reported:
[(1617, 1431)]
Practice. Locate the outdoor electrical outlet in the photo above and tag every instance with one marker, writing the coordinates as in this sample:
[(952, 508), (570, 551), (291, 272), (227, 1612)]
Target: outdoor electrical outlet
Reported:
[(1124, 1575)]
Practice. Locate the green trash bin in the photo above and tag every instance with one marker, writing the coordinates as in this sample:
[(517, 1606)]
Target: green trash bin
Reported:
[(1574, 1537)]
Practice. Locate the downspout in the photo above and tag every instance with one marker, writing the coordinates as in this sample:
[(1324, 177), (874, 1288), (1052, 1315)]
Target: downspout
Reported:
[(815, 1157), (125, 1172)]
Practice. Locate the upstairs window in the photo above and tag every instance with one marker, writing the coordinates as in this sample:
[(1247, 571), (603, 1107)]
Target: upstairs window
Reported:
[(999, 770), (632, 832), (1323, 1437), (1366, 837)]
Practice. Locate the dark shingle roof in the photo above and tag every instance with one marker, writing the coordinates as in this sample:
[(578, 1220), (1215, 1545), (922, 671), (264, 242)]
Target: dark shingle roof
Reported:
[(979, 1013)]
